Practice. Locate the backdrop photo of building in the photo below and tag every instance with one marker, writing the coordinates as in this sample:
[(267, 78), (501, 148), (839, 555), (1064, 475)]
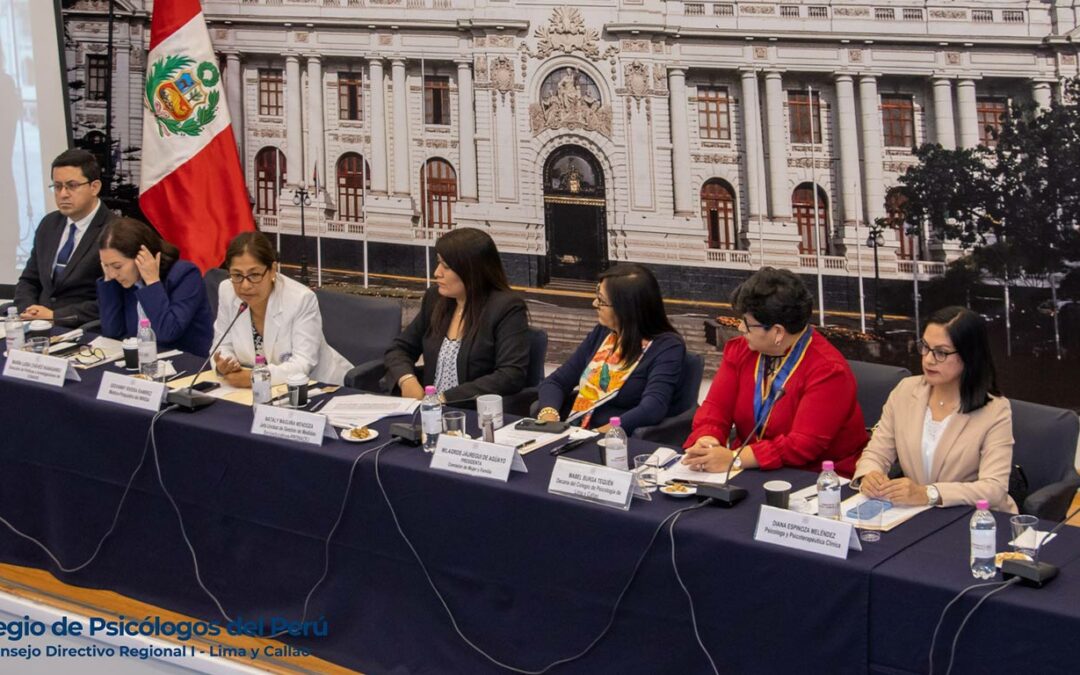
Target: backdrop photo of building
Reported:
[(702, 138)]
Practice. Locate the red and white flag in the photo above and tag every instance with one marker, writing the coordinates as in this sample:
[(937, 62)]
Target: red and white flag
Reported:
[(192, 187)]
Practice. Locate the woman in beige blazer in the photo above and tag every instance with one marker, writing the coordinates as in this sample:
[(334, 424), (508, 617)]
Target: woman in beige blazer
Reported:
[(950, 428)]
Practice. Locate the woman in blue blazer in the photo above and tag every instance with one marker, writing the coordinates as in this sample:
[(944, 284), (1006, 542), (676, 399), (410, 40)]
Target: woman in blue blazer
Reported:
[(144, 277), (631, 361)]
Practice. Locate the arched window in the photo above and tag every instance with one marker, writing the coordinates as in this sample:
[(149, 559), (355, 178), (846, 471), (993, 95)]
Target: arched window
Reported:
[(269, 179), (353, 182), (438, 184), (718, 213), (802, 203), (896, 217)]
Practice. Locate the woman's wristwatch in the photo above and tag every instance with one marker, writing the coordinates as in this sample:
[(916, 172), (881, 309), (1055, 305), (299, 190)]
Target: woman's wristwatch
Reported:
[(932, 495)]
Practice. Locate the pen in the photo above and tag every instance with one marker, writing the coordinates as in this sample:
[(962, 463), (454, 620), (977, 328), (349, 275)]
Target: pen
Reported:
[(319, 405), (521, 445), (177, 376), (570, 446)]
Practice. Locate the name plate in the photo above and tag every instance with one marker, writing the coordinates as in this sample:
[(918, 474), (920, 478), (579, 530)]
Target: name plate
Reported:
[(476, 458), (594, 483), (291, 425), (130, 391), (40, 368), (804, 532)]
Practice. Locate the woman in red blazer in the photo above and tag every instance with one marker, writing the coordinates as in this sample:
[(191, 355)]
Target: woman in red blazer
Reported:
[(782, 374)]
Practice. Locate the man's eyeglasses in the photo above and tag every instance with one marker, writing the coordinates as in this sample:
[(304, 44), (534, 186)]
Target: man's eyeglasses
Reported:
[(88, 356), (70, 186), (253, 278), (940, 353)]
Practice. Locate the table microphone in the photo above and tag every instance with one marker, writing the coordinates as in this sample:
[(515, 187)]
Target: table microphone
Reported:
[(189, 400), (728, 495), (1031, 573), (411, 432)]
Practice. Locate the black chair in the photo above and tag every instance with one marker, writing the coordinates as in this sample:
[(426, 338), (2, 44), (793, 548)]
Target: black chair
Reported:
[(874, 382), (674, 429), (359, 327), (212, 280), (518, 404), (1045, 450)]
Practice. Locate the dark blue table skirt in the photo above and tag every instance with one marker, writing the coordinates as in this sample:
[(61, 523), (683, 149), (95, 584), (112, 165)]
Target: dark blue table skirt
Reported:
[(1018, 630), (530, 577)]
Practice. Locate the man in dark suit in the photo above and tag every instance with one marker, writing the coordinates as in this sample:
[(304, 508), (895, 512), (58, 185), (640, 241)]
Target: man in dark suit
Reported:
[(59, 282)]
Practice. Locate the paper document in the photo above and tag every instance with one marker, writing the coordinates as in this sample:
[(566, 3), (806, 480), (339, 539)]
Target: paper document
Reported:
[(679, 471), (358, 410), (890, 518), (805, 500), (113, 350), (527, 441), (1027, 539), (224, 391)]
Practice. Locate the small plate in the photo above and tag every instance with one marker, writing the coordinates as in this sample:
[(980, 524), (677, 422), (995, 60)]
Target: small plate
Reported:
[(679, 491), (346, 435)]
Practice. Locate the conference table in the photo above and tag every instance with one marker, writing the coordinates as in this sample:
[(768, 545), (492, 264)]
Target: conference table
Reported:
[(531, 578)]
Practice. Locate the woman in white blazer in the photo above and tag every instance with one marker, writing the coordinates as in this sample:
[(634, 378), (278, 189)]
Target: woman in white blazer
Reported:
[(282, 321)]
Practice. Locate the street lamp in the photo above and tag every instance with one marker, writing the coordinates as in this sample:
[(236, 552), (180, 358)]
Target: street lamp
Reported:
[(302, 198), (876, 240)]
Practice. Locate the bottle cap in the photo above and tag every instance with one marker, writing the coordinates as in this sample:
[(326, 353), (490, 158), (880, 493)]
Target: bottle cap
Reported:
[(429, 390), (260, 360), (982, 504), (144, 323), (827, 465), (615, 422)]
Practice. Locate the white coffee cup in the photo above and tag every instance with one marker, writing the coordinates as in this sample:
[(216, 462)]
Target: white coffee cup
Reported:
[(490, 404)]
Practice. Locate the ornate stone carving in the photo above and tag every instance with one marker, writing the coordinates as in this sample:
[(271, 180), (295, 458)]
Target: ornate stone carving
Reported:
[(1068, 59), (757, 9), (221, 33), (761, 53), (502, 73), (658, 48), (302, 37), (635, 46), (855, 55), (952, 58), (268, 133), (955, 14), (716, 159), (851, 11), (659, 74), (480, 67), (897, 167), (480, 42), (566, 33), (636, 75), (808, 162), (505, 41), (571, 104), (386, 40)]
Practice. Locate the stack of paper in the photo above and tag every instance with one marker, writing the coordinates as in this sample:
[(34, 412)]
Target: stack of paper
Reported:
[(677, 471), (357, 410)]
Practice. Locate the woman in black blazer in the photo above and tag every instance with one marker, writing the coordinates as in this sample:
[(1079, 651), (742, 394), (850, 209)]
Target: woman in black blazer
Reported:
[(471, 328)]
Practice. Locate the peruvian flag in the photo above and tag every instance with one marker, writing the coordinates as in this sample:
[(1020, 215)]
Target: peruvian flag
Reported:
[(192, 188)]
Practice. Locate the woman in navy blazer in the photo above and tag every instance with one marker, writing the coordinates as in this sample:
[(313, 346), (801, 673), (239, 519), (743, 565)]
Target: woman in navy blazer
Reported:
[(631, 318), (142, 270)]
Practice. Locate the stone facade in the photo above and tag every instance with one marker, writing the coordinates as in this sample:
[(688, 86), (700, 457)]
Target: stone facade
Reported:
[(629, 83)]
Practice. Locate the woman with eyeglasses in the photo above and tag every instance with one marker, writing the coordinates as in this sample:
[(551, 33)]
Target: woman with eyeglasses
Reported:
[(628, 366), (282, 321), (787, 392), (949, 428), (145, 278), (472, 330)]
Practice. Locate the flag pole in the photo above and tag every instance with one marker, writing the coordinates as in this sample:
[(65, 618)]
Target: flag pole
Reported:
[(817, 211), (364, 180), (425, 197)]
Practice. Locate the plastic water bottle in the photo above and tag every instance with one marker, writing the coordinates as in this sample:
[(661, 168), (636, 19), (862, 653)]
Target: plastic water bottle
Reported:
[(828, 492), (260, 381), (983, 541), (430, 418), (148, 363), (13, 327), (615, 446)]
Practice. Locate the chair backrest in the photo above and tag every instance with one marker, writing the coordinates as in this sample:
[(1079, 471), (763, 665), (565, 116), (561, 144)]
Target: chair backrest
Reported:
[(1045, 442), (875, 381), (359, 327), (686, 392), (538, 344), (213, 278)]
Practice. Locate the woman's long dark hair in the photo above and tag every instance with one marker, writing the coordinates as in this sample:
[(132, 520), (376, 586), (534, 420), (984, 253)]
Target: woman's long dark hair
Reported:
[(255, 244), (128, 235), (635, 298), (967, 331), (472, 255)]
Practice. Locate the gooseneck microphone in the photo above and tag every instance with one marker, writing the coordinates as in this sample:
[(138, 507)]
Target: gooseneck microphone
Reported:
[(411, 433), (189, 400), (1035, 573), (728, 495)]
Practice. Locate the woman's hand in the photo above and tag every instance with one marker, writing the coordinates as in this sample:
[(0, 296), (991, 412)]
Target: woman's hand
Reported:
[(411, 388), (707, 454), (225, 364), (149, 265), (872, 483), (903, 492), (241, 379)]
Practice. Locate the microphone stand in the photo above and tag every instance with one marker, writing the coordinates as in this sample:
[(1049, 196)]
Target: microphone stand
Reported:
[(728, 495), (1035, 573), (189, 400)]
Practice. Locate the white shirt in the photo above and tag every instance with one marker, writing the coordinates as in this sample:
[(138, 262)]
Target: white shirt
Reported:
[(81, 226), (931, 434)]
